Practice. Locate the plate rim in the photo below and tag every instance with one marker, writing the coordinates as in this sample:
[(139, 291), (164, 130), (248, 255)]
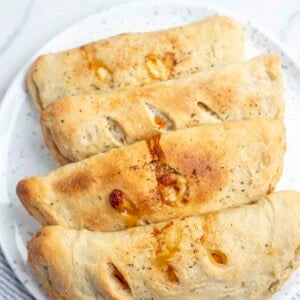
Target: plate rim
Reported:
[(110, 5)]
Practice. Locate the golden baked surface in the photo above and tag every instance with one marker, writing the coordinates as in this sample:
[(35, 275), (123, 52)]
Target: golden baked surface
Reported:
[(135, 59), (172, 146), (181, 173), (81, 126), (242, 253)]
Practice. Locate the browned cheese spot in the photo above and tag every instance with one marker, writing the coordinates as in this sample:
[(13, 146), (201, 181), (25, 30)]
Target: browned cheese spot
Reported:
[(160, 67), (208, 221), (155, 149), (172, 187), (168, 244), (120, 202), (101, 71), (117, 198)]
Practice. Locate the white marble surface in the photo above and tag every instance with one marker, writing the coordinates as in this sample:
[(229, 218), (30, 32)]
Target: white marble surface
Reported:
[(25, 25)]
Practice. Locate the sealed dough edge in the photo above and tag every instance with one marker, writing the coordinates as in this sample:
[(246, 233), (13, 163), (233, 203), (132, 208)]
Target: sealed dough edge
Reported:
[(242, 253)]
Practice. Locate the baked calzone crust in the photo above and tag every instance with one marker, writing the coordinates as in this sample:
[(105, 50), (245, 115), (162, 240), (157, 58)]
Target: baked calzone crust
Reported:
[(81, 126), (135, 59), (241, 253), (182, 173)]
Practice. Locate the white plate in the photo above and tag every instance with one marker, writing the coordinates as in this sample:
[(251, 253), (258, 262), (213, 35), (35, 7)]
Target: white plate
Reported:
[(22, 152)]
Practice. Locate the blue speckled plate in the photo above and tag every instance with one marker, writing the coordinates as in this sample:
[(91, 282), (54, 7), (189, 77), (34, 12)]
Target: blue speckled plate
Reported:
[(22, 152)]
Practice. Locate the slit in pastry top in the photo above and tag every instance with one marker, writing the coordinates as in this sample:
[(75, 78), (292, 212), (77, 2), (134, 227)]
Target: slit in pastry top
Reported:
[(242, 253), (172, 175), (232, 93), (135, 59)]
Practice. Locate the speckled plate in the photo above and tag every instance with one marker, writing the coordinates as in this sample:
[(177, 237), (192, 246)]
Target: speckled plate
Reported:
[(22, 152)]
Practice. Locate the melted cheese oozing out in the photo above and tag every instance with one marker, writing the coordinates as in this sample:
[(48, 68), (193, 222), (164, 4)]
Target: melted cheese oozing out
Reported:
[(173, 194), (156, 68), (104, 74)]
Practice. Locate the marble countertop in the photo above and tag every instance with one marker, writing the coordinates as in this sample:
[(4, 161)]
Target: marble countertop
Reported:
[(25, 25)]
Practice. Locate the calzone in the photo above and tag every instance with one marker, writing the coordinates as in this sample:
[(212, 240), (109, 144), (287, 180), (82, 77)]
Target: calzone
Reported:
[(182, 173), (81, 126), (241, 253), (135, 59)]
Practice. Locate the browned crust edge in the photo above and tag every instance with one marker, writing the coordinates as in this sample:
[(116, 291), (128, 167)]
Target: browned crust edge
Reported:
[(31, 192)]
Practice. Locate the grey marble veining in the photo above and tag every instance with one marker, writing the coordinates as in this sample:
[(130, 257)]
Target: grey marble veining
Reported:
[(289, 24), (10, 39)]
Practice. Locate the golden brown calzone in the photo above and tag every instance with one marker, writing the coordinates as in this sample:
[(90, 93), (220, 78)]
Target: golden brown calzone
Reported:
[(135, 59), (182, 173), (81, 126), (241, 253)]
